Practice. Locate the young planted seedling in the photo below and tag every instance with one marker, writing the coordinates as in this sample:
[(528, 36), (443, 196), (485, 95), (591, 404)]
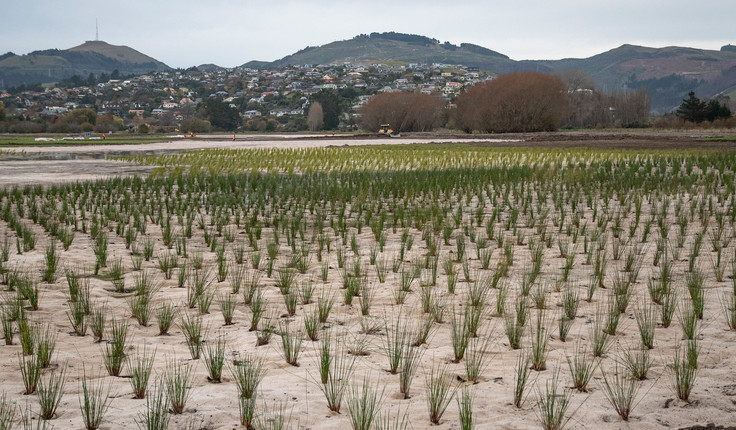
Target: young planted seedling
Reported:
[(620, 391), (7, 410), (540, 343), (364, 404), (247, 375), (94, 400), (476, 358), (291, 343), (460, 334), (683, 376), (336, 369), (114, 349), (581, 367), (156, 414), (397, 339), (688, 318), (50, 390), (409, 365), (646, 320), (30, 372), (439, 392), (552, 405), (97, 321), (45, 340), (177, 379), (312, 325), (165, 316), (465, 407), (139, 368), (194, 332), (227, 308)]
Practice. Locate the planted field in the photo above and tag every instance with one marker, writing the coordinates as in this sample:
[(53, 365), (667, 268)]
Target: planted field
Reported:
[(26, 141), (391, 287)]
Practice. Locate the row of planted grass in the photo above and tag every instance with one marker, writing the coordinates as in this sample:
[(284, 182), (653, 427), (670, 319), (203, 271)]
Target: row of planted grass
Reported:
[(393, 157), (456, 249)]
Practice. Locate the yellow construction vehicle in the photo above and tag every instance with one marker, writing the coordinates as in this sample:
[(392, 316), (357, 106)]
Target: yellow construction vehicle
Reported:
[(387, 131)]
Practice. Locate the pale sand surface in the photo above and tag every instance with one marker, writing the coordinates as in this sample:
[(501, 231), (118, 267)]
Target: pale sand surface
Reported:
[(49, 172), (245, 142), (215, 405)]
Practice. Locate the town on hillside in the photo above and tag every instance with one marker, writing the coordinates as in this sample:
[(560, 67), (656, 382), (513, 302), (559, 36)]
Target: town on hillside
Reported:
[(264, 100)]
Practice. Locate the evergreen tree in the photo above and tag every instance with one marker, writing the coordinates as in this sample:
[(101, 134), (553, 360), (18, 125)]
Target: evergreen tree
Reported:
[(220, 114), (695, 110), (692, 109), (716, 110)]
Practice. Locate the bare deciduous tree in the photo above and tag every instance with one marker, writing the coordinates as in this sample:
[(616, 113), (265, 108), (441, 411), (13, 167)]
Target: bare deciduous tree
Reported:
[(515, 102), (404, 111)]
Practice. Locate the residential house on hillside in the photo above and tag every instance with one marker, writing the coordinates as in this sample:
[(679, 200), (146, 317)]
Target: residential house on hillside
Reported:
[(279, 112)]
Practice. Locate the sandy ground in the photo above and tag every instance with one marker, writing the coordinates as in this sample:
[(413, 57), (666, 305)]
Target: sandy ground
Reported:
[(249, 142), (48, 172), (215, 405)]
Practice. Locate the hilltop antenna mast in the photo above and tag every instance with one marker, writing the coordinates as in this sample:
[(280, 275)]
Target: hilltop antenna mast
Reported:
[(97, 31)]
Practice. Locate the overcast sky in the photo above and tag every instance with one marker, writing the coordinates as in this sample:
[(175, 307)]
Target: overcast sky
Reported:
[(183, 33)]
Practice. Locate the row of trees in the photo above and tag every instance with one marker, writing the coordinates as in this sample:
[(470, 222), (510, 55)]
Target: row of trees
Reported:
[(515, 102), (74, 121), (695, 110), (326, 108)]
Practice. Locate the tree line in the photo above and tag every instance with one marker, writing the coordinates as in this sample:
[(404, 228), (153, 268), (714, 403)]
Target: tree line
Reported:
[(531, 102), (695, 110), (514, 102)]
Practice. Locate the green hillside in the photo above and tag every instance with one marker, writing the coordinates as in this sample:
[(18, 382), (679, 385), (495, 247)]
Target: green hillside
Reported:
[(667, 73), (91, 57), (403, 48)]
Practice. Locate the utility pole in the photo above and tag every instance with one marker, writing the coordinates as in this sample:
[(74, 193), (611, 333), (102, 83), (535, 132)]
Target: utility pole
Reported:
[(97, 31)]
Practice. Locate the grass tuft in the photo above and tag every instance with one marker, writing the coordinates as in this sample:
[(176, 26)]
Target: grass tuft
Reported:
[(94, 400), (620, 390), (552, 405), (439, 392)]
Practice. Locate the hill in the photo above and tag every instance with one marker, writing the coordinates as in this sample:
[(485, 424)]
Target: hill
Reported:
[(91, 57), (399, 48), (667, 73)]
